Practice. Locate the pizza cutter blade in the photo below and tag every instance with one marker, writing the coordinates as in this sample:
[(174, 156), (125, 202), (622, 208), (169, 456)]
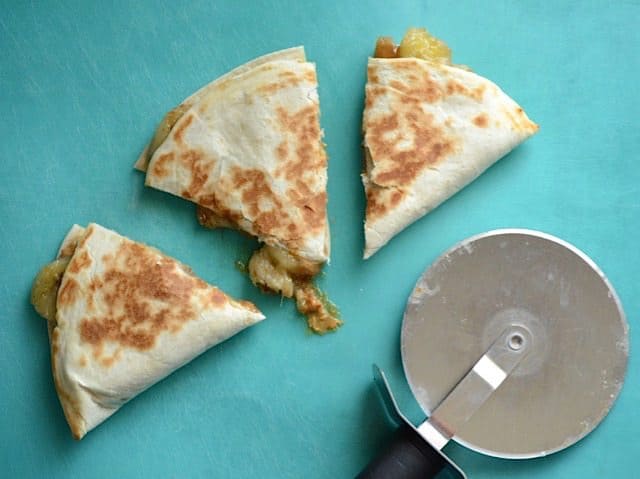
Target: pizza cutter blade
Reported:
[(514, 344)]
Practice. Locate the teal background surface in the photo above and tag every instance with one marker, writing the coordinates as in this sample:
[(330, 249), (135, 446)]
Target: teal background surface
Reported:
[(82, 86)]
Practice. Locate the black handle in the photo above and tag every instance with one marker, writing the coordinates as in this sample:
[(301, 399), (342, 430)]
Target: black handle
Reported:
[(408, 456)]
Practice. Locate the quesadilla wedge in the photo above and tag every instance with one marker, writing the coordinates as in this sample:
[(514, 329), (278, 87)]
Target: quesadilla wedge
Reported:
[(121, 316), (430, 128), (247, 149)]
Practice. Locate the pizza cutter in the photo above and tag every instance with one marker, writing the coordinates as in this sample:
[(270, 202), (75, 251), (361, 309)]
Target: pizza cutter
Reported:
[(514, 344)]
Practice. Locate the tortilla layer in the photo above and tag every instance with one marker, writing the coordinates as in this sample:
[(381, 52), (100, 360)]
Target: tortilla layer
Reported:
[(429, 130), (127, 316)]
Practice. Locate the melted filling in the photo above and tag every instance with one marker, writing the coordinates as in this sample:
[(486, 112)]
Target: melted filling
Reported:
[(272, 269), (44, 292), (276, 270), (417, 43), (322, 315)]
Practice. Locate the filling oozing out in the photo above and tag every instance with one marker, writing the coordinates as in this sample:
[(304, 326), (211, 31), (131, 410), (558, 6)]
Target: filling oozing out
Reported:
[(274, 269), (270, 268), (44, 292), (417, 43)]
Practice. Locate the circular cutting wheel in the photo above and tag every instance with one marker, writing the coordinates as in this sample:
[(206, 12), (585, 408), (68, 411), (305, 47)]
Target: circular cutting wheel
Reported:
[(575, 367)]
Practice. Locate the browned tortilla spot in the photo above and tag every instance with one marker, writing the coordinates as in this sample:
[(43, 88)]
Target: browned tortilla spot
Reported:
[(282, 151), (217, 298), (380, 200), (79, 262), (257, 191), (287, 75), (481, 121), (107, 361), (310, 76), (387, 124), (375, 202), (69, 292), (267, 221), (214, 209), (455, 88), (287, 79), (180, 129), (518, 120), (266, 211), (304, 126), (396, 196), (68, 250), (368, 102), (95, 284), (199, 169), (85, 238), (144, 295), (248, 305), (372, 77), (159, 167), (478, 92), (424, 88), (264, 205), (402, 166), (311, 205), (271, 88)]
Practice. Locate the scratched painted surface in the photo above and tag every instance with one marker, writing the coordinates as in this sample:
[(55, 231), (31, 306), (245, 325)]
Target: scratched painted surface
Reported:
[(81, 88)]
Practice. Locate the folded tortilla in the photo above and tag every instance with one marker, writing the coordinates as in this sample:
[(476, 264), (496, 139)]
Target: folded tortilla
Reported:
[(429, 130), (127, 316), (248, 147)]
